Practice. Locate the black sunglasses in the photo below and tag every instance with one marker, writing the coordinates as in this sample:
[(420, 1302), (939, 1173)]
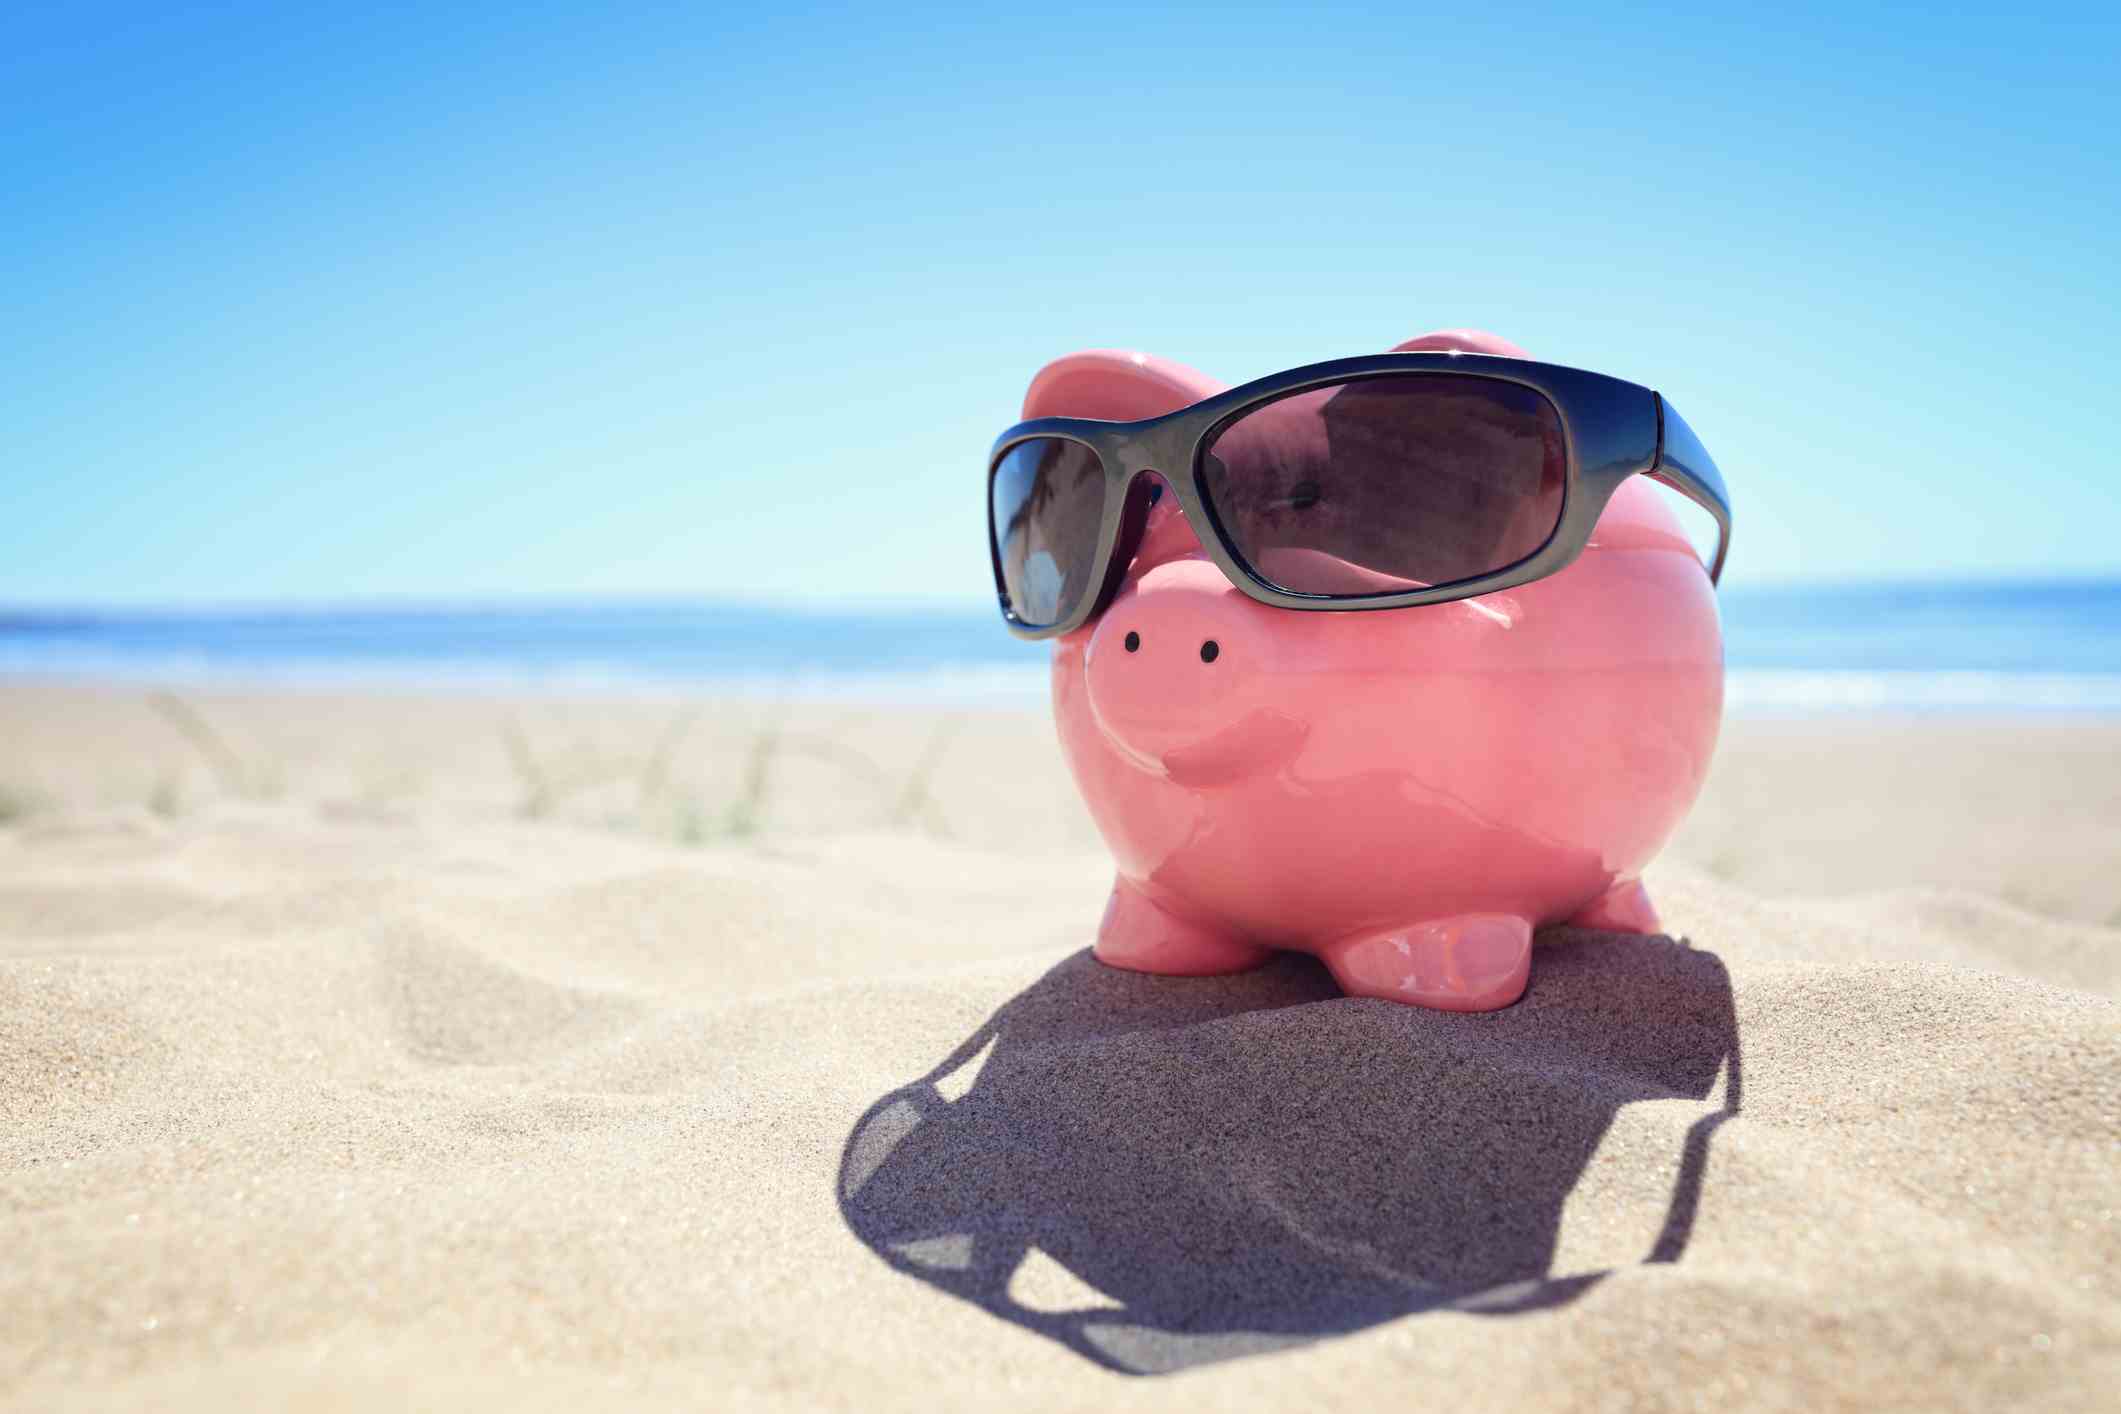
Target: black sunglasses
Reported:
[(1377, 482)]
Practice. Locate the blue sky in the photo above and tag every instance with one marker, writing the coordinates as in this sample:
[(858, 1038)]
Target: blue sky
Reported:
[(460, 303)]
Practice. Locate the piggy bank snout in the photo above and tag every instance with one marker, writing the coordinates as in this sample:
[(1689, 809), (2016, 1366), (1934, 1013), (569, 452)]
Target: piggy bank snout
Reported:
[(1174, 661)]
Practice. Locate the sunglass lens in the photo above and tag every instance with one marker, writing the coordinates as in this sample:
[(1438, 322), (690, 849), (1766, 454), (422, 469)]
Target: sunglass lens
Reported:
[(1047, 498), (1388, 484)]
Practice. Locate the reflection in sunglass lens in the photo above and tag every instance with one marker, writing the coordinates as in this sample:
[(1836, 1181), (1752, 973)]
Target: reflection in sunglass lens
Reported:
[(1047, 497), (1389, 484)]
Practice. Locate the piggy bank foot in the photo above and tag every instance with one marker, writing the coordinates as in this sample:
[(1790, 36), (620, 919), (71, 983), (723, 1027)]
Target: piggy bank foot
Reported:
[(1624, 908), (1143, 937), (1475, 962)]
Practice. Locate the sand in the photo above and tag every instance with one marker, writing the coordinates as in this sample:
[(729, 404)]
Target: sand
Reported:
[(412, 1049)]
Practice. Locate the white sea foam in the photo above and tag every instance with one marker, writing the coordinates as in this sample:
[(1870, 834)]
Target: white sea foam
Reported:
[(948, 684), (1766, 690), (1024, 683)]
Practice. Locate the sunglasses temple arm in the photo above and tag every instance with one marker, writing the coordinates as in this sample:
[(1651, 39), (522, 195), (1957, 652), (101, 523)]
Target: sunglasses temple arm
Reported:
[(1686, 466)]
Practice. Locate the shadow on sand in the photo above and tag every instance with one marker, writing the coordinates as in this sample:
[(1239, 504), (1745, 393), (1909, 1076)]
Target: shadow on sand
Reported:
[(1239, 1164)]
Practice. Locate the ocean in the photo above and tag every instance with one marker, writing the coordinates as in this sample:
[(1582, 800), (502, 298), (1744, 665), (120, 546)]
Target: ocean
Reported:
[(1935, 647)]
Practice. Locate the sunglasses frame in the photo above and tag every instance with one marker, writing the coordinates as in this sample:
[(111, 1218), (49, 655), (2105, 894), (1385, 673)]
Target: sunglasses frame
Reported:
[(1611, 429)]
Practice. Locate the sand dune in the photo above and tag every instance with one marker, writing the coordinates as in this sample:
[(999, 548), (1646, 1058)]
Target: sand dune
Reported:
[(352, 1058)]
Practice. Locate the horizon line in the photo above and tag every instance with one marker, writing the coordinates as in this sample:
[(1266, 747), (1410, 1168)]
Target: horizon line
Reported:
[(54, 613)]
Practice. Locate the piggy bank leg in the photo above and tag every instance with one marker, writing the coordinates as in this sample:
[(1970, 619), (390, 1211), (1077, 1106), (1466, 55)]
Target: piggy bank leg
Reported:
[(1625, 908), (1143, 937), (1475, 962)]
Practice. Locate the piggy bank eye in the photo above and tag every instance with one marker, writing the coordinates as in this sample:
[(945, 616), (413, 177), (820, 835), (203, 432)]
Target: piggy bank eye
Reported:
[(1303, 495)]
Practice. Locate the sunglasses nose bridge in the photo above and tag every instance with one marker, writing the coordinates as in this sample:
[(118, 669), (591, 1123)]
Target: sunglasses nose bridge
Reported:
[(1142, 490), (1157, 446), (1149, 455), (1149, 482)]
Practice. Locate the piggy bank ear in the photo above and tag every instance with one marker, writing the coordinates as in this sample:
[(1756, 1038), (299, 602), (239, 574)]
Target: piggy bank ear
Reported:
[(1114, 385), (1464, 340)]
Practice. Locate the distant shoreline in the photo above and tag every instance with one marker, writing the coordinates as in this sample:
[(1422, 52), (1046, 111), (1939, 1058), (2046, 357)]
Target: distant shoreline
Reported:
[(1950, 646), (1767, 692)]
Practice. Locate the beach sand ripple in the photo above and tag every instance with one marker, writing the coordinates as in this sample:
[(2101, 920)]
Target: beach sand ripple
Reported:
[(448, 1102)]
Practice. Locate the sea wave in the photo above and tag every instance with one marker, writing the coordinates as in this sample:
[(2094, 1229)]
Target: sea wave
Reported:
[(1770, 690), (1019, 683), (972, 683)]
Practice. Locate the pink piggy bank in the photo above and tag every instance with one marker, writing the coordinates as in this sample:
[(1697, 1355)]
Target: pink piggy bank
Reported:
[(1406, 794)]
